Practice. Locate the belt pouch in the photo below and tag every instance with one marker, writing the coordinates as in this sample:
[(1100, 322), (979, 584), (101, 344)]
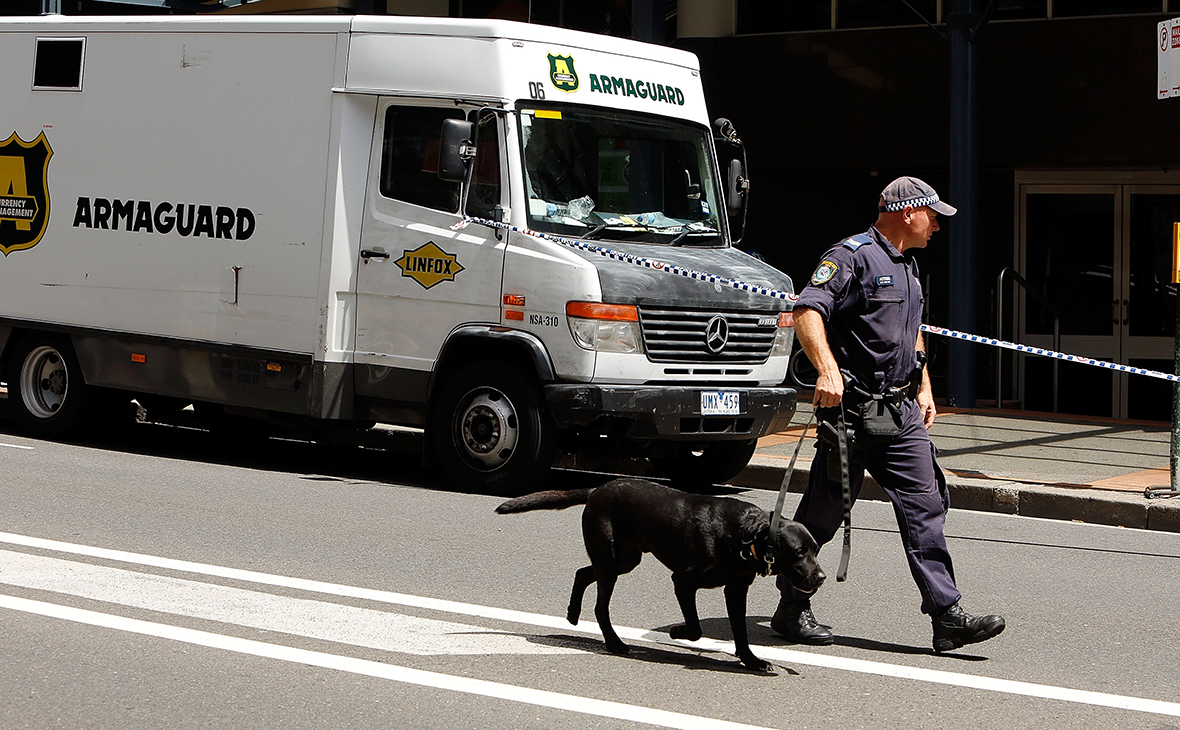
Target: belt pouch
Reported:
[(879, 418)]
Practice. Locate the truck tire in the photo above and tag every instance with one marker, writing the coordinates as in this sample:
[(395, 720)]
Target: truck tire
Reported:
[(46, 391), (702, 467), (491, 430)]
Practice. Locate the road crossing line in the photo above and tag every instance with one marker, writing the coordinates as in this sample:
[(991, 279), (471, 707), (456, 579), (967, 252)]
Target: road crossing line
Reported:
[(483, 688), (316, 619), (770, 653)]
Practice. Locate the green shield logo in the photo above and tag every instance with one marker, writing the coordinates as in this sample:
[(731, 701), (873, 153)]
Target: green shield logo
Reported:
[(562, 74)]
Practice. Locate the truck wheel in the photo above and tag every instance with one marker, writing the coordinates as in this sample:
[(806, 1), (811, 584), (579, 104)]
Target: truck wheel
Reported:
[(701, 467), (491, 429), (45, 388)]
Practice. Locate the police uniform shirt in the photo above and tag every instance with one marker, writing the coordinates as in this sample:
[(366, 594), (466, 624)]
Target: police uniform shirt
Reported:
[(871, 301)]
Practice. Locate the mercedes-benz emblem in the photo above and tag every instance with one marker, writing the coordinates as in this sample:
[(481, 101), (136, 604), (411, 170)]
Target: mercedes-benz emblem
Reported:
[(716, 334)]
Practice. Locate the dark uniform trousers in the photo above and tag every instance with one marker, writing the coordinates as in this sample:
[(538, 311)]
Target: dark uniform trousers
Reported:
[(904, 466)]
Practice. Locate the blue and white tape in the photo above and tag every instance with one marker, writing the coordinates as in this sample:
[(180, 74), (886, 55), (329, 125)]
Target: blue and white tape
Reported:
[(637, 260), (738, 284), (1047, 353)]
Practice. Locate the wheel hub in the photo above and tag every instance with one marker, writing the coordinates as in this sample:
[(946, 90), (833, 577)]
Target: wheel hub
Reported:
[(44, 382), (489, 430)]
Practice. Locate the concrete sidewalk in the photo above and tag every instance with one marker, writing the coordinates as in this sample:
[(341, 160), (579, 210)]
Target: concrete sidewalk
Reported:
[(1019, 462)]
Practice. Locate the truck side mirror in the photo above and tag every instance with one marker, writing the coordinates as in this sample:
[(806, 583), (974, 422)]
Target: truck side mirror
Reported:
[(737, 185), (456, 149), (731, 154)]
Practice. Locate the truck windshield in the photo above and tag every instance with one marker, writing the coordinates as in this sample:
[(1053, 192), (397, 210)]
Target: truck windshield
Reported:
[(607, 174)]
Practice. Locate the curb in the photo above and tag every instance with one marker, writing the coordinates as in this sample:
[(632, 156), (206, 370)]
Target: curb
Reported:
[(1089, 505)]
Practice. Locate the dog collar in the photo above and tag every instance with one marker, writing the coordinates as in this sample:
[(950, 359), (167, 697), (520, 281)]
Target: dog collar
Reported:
[(766, 561)]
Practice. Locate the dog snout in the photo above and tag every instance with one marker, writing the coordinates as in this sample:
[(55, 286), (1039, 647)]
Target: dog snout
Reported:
[(811, 578), (818, 579)]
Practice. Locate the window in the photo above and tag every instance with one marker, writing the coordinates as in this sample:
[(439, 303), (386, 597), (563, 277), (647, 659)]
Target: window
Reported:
[(772, 16), (877, 14), (409, 157), (58, 63), (1019, 9), (484, 195), (1073, 8), (620, 175)]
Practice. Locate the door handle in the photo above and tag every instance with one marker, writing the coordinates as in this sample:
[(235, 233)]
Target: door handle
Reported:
[(370, 254)]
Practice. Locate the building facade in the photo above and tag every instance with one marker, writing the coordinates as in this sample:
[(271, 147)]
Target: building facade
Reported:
[(1078, 175)]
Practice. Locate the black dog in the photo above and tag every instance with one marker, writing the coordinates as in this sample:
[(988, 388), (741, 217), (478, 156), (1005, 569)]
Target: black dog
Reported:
[(707, 542)]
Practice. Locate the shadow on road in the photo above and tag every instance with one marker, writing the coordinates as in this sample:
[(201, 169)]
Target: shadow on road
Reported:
[(374, 456)]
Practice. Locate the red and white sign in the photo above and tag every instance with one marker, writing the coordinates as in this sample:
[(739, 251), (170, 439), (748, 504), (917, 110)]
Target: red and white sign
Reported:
[(1167, 49)]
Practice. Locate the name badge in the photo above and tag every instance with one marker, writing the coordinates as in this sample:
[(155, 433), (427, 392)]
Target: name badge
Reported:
[(886, 280)]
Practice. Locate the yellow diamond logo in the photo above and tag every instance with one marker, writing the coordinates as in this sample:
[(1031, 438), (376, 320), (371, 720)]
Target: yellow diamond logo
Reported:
[(428, 265)]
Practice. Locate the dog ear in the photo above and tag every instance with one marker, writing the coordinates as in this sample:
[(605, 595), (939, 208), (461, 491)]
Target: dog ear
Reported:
[(754, 527)]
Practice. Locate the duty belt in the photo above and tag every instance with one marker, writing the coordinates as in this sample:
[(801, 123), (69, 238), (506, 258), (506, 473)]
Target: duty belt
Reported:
[(893, 396)]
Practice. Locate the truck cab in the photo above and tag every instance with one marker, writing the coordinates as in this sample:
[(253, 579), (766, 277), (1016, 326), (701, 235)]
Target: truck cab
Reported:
[(623, 318)]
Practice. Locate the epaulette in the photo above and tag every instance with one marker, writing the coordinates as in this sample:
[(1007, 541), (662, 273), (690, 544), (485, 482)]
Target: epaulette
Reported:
[(854, 242)]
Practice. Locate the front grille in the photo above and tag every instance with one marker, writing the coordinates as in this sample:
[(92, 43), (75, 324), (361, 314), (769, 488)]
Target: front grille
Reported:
[(678, 335)]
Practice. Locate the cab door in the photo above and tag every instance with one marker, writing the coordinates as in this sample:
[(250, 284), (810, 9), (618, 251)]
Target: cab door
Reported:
[(417, 278)]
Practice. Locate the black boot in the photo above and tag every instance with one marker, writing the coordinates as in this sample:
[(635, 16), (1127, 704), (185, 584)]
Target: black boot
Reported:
[(795, 621), (954, 627)]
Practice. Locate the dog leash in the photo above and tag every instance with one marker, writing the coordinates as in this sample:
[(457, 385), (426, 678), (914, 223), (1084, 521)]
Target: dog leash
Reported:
[(782, 492), (846, 495)]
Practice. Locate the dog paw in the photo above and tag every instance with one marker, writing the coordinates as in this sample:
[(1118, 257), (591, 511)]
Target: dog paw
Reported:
[(617, 647), (572, 615), (758, 665), (680, 631)]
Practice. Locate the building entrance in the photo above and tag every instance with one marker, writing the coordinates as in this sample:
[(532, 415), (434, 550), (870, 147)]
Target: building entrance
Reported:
[(1102, 255)]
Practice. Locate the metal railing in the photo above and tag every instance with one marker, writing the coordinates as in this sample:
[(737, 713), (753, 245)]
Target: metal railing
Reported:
[(1008, 271)]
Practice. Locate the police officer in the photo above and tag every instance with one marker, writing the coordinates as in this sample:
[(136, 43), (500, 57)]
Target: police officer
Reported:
[(858, 323)]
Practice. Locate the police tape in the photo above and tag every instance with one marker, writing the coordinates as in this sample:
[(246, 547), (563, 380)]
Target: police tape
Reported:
[(631, 259), (1047, 353), (788, 296)]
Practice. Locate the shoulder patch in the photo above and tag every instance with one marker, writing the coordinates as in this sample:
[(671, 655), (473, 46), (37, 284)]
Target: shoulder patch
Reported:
[(824, 272), (857, 241)]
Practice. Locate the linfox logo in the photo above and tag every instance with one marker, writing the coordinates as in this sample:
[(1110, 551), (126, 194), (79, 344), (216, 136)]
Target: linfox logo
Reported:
[(429, 265), (24, 192)]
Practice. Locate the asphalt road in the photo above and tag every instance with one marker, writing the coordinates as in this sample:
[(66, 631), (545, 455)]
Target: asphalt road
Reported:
[(158, 577)]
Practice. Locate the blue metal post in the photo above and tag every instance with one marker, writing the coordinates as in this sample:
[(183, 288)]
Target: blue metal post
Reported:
[(964, 169)]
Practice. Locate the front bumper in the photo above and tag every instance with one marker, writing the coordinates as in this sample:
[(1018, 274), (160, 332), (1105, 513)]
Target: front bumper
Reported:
[(672, 412)]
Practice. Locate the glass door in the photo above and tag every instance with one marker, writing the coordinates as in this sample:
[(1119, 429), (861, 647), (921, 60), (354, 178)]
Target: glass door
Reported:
[(1068, 255), (1148, 317), (1102, 255)]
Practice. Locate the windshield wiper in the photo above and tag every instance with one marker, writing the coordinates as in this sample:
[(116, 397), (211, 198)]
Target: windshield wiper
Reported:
[(679, 239), (593, 232)]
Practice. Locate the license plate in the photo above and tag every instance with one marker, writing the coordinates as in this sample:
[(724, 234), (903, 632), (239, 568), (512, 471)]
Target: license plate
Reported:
[(720, 403)]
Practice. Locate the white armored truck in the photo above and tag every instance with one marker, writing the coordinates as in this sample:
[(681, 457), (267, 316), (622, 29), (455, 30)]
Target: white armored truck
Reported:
[(516, 237)]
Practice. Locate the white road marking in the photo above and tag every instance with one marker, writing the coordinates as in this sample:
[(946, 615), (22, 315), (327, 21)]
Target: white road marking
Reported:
[(15, 446), (296, 616), (934, 676), (542, 698)]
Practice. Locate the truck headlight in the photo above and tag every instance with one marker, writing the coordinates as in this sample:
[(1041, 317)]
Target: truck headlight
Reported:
[(605, 327), (784, 339)]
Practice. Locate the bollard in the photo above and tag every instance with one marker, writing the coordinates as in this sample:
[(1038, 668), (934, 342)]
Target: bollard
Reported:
[(1174, 452)]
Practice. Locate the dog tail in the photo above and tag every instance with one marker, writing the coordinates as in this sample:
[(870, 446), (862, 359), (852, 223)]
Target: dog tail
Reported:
[(552, 499)]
